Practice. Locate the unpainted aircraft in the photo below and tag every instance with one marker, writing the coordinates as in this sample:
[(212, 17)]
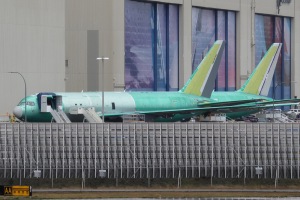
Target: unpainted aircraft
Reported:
[(256, 87), (192, 100)]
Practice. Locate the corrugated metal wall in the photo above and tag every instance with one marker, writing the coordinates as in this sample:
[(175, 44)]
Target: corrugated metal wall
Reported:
[(154, 150)]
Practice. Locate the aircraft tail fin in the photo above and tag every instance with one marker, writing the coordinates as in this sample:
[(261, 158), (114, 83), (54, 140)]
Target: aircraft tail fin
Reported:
[(201, 82), (260, 80)]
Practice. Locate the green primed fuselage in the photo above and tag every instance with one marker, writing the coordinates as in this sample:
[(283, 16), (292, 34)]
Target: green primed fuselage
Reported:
[(117, 104)]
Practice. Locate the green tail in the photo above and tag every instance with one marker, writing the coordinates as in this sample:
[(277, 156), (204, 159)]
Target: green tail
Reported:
[(201, 82), (260, 80)]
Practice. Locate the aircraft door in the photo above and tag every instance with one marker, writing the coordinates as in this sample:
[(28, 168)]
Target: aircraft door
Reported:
[(46, 103), (58, 102)]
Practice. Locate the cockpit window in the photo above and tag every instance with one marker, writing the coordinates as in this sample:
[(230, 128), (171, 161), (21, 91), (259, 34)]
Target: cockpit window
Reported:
[(28, 103), (21, 104)]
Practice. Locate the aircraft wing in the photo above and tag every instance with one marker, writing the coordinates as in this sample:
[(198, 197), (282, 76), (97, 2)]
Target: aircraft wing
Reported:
[(202, 108), (259, 106), (283, 101), (227, 103), (219, 107)]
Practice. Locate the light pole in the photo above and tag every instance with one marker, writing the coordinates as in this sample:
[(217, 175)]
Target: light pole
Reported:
[(25, 92), (102, 76)]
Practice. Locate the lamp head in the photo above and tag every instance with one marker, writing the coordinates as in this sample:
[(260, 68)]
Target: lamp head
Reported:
[(103, 58)]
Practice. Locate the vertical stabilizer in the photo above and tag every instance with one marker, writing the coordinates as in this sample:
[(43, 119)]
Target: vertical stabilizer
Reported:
[(201, 83), (260, 80)]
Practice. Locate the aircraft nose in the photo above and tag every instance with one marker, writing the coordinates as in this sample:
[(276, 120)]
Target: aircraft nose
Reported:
[(18, 112)]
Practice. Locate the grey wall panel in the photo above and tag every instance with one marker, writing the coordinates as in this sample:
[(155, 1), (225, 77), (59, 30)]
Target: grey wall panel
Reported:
[(227, 5), (82, 16), (32, 38), (92, 62)]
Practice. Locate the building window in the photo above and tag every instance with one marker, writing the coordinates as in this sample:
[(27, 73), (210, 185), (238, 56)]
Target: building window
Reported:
[(151, 46), (208, 26), (270, 29)]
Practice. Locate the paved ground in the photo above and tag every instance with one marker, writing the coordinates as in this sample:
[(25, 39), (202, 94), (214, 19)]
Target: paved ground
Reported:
[(168, 190), (131, 193)]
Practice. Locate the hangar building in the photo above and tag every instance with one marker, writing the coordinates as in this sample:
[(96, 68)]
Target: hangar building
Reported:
[(151, 45)]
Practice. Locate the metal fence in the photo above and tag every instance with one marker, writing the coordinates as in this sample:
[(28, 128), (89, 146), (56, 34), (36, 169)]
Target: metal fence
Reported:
[(150, 150)]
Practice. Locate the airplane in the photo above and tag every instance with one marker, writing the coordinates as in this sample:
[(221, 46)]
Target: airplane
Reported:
[(256, 87), (192, 99)]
